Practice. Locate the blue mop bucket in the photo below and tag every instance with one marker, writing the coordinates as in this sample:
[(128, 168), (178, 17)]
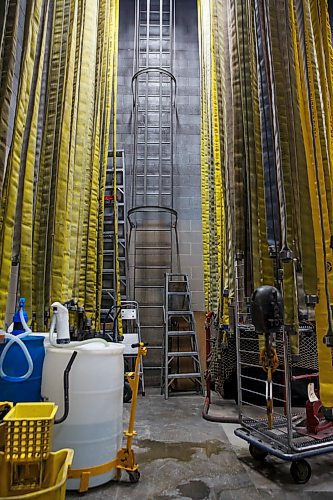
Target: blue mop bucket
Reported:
[(15, 365)]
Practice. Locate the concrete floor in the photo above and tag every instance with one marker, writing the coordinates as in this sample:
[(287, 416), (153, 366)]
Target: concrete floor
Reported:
[(181, 456)]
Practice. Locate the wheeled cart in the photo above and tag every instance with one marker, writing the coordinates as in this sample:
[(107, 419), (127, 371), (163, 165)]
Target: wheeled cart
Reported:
[(273, 415)]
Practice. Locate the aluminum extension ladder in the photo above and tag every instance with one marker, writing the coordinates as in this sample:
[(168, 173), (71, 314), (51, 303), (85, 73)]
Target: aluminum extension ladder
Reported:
[(180, 345), (109, 275)]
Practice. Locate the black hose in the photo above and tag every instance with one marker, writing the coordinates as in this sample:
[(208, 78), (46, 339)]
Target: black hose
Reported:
[(66, 389)]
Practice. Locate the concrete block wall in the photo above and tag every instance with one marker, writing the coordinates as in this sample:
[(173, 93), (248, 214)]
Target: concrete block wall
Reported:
[(187, 180)]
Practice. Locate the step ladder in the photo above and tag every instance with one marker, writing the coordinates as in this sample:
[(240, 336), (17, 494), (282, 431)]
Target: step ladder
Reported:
[(108, 272), (180, 348)]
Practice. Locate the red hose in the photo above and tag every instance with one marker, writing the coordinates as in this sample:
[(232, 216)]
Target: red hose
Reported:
[(205, 410)]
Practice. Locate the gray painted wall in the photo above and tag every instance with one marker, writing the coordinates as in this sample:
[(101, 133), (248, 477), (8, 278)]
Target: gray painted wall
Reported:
[(187, 197)]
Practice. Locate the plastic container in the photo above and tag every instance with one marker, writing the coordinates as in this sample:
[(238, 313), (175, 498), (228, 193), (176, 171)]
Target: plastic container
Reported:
[(54, 482), (94, 426), (28, 434), (15, 365)]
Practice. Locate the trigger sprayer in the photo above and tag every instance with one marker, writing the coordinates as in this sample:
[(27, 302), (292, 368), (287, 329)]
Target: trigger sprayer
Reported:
[(60, 324)]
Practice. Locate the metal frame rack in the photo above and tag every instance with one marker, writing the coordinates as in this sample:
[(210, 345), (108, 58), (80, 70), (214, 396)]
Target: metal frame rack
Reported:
[(109, 277), (287, 437)]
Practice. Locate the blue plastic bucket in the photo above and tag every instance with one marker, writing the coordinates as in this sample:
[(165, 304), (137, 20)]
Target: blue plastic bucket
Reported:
[(15, 365)]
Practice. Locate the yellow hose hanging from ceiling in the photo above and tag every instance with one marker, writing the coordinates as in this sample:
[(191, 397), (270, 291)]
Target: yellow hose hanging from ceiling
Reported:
[(115, 201), (63, 187), (210, 147), (26, 271), (9, 195), (92, 258), (308, 90), (218, 190), (105, 148), (62, 207), (48, 165), (84, 142), (7, 67)]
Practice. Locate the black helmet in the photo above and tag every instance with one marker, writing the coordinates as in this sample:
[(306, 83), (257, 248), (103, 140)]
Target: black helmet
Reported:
[(267, 309)]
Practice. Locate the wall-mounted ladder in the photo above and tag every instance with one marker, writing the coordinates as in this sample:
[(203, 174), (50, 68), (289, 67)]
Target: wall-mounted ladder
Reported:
[(109, 276), (154, 88), (152, 220), (181, 356)]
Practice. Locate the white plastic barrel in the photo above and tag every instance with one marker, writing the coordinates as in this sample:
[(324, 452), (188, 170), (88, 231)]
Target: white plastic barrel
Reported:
[(94, 426)]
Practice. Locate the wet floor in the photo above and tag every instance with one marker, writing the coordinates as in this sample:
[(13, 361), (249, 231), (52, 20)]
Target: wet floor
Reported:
[(181, 456)]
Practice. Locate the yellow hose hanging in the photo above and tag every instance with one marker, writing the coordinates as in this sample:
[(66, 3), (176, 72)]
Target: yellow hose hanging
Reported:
[(105, 147), (26, 270), (7, 68), (309, 116), (115, 210), (9, 195), (91, 267), (63, 187)]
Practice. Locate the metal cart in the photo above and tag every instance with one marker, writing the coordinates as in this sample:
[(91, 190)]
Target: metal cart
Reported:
[(285, 432)]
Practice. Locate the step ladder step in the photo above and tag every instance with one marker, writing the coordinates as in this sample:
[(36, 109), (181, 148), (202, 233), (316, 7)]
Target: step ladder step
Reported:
[(179, 293), (152, 326), (184, 375), (183, 333), (180, 313), (151, 306), (181, 354)]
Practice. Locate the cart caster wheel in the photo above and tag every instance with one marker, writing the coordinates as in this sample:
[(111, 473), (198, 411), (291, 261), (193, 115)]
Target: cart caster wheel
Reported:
[(257, 453), (300, 471), (127, 393), (134, 476)]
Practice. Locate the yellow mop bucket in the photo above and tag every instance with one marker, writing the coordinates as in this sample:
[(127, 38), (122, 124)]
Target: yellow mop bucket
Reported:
[(54, 478)]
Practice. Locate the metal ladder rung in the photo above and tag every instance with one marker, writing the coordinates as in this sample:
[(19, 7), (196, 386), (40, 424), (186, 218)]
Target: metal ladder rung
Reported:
[(152, 267), (154, 143), (153, 175), (180, 313), (153, 248), (150, 306), (154, 126), (184, 375), (152, 326), (180, 354), (183, 333), (149, 286), (151, 229)]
